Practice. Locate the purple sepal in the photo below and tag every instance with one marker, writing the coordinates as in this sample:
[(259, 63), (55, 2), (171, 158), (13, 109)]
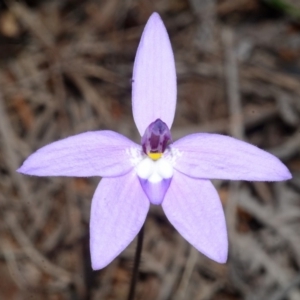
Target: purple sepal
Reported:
[(215, 156), (155, 191), (156, 137), (116, 217), (154, 87), (194, 208)]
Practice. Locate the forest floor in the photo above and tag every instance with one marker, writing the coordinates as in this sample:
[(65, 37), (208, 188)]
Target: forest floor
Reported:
[(66, 67)]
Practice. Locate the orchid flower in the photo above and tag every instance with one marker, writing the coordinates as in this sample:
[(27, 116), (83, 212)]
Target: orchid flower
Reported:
[(175, 175)]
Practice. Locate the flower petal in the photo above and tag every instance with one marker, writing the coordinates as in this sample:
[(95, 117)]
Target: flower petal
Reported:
[(154, 77), (155, 178), (155, 191), (95, 153), (217, 156), (195, 210), (119, 209)]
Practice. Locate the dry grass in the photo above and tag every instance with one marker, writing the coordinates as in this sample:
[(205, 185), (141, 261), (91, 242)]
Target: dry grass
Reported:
[(66, 68)]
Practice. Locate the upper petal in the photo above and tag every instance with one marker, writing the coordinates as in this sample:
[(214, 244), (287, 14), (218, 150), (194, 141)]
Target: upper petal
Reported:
[(195, 210), (118, 211), (217, 156), (95, 153), (154, 77)]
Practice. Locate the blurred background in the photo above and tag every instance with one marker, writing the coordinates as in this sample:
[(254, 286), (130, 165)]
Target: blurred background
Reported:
[(66, 67)]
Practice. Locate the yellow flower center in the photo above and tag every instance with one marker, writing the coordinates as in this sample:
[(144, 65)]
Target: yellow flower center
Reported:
[(155, 156)]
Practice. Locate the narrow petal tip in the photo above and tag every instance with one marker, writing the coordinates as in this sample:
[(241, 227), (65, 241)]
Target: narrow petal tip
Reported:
[(25, 168), (277, 171), (20, 170), (286, 174), (30, 166), (221, 257), (98, 265), (218, 253), (155, 17), (155, 23)]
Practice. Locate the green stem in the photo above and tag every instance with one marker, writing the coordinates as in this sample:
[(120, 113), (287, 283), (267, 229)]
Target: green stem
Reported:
[(137, 259)]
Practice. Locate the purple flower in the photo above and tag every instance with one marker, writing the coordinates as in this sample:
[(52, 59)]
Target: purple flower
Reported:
[(175, 175)]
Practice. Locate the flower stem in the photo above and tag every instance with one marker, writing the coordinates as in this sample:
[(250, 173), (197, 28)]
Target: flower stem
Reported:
[(137, 259)]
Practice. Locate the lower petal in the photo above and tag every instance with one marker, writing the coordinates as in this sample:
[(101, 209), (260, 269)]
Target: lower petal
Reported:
[(193, 207), (155, 191), (119, 209)]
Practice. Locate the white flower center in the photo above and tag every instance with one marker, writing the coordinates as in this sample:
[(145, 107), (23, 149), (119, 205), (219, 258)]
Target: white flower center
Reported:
[(172, 154), (154, 171)]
